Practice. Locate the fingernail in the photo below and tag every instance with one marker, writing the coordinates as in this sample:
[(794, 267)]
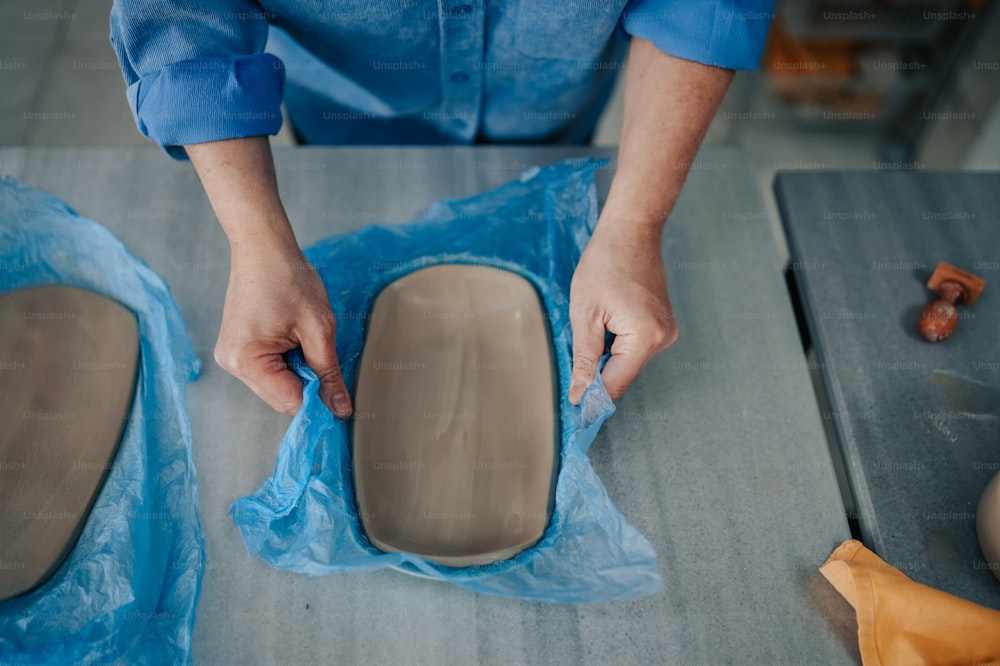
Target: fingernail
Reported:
[(289, 408), (341, 405)]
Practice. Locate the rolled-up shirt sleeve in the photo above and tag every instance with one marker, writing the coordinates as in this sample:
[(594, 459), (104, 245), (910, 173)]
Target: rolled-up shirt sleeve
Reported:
[(196, 70), (724, 33)]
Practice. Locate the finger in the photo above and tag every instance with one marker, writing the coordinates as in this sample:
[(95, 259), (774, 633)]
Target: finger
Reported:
[(630, 353), (267, 375), (588, 347), (319, 345), (621, 370)]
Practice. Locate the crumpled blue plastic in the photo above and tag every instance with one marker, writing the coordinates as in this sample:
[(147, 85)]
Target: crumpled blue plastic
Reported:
[(127, 592), (304, 518)]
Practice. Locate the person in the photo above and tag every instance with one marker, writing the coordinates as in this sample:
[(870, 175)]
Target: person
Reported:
[(206, 79)]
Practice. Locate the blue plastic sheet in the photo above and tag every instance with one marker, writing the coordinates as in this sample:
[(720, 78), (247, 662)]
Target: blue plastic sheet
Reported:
[(127, 591), (304, 517)]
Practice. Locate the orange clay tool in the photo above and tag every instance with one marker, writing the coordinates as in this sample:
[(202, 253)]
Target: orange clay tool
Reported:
[(954, 286)]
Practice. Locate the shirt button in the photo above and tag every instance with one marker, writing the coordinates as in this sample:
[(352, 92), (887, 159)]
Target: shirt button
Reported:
[(459, 77), (461, 10)]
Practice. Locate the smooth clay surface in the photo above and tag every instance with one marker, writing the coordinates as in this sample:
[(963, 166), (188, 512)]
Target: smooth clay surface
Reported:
[(456, 431), (988, 524), (69, 359)]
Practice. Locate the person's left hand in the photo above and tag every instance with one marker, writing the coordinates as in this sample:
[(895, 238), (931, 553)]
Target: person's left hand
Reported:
[(619, 286)]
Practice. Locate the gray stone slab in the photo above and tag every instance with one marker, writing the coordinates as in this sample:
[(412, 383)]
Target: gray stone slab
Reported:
[(919, 423), (717, 453)]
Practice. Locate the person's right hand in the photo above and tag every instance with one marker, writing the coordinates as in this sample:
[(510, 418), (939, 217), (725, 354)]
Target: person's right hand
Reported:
[(276, 302)]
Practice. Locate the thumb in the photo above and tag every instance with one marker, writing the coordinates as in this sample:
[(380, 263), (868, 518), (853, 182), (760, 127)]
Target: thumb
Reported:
[(319, 346), (623, 367)]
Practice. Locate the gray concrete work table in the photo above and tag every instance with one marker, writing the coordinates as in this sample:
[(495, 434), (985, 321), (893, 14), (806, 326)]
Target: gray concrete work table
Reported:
[(918, 423), (717, 453)]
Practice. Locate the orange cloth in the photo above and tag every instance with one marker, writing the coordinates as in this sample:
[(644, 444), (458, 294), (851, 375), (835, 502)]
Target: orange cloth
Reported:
[(903, 622)]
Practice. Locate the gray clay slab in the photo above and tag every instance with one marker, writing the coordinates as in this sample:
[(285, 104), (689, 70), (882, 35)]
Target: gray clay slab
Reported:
[(716, 454), (918, 422), (68, 360), (457, 454)]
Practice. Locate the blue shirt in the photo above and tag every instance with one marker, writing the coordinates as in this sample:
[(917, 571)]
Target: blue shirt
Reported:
[(404, 71)]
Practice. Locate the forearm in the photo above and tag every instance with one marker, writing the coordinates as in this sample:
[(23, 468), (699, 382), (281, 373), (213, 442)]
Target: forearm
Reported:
[(669, 104), (238, 177), (272, 304)]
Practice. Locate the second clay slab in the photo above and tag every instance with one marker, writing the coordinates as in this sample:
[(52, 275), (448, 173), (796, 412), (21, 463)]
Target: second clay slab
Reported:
[(69, 364), (456, 432)]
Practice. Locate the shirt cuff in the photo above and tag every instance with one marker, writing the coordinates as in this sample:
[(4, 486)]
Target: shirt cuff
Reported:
[(718, 34), (209, 99)]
